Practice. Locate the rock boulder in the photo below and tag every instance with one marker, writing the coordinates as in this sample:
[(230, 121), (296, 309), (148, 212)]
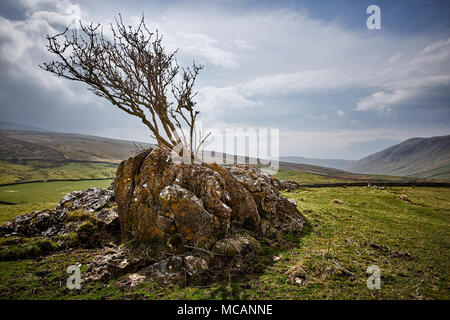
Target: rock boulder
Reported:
[(89, 214), (195, 205)]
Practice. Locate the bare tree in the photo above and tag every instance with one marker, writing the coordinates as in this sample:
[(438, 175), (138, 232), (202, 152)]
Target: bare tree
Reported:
[(133, 70)]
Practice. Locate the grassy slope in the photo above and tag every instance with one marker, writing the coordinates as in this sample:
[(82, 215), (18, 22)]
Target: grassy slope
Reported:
[(330, 163), (38, 196), (70, 146), (306, 178), (409, 158), (35, 170), (31, 156), (337, 245), (438, 173), (303, 175)]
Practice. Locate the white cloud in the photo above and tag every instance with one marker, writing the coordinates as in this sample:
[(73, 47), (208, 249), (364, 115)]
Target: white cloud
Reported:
[(316, 117), (436, 45), (294, 61), (383, 101), (407, 79), (204, 48), (297, 82), (213, 99), (243, 44), (68, 17), (22, 43), (252, 93), (395, 58)]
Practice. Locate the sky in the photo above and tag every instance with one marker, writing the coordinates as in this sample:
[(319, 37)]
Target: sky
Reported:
[(311, 69)]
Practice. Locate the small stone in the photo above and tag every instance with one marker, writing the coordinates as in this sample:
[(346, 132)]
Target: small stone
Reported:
[(195, 264), (297, 276), (135, 279)]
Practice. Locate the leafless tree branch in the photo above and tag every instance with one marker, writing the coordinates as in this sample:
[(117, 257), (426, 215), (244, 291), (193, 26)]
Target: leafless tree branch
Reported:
[(134, 72)]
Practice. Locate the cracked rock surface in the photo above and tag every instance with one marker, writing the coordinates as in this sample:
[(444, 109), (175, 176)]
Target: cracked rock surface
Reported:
[(197, 204), (91, 215)]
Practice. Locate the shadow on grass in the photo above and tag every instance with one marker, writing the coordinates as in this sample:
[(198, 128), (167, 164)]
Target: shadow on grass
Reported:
[(233, 276)]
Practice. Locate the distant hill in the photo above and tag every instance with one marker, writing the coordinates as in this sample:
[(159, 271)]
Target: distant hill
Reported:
[(417, 157), (330, 163), (27, 155), (4, 125), (39, 145)]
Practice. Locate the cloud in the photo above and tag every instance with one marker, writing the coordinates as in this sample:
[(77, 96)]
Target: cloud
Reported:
[(407, 79), (315, 117), (254, 92), (265, 66), (213, 99), (337, 143), (205, 48), (436, 45), (395, 58), (350, 62), (383, 101), (243, 44), (297, 82), (22, 43), (394, 83), (69, 17)]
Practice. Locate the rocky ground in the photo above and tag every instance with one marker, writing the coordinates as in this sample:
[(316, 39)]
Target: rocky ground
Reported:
[(163, 221)]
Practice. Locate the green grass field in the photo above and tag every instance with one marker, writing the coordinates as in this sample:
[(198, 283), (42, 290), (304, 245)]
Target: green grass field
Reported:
[(38, 170), (307, 178), (439, 173), (347, 230), (40, 195)]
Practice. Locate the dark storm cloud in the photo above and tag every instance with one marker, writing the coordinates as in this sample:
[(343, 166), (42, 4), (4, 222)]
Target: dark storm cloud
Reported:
[(12, 9)]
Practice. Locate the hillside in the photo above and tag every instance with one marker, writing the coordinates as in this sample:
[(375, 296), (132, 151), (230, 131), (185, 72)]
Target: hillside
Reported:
[(417, 157), (5, 125), (20, 145), (41, 155), (330, 163), (27, 155), (309, 174)]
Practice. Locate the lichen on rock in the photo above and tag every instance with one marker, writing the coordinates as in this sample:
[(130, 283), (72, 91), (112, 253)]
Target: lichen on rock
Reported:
[(197, 204), (90, 214)]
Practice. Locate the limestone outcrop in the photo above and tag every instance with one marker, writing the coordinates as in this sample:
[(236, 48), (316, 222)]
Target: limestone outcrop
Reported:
[(195, 205), (90, 216)]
